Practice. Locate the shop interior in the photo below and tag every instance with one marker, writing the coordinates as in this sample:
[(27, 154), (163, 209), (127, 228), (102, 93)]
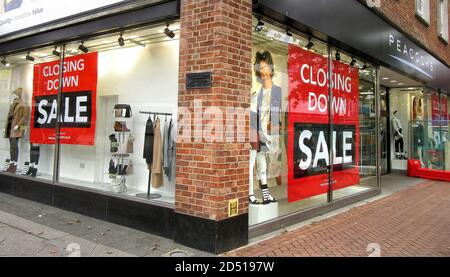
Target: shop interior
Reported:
[(137, 68)]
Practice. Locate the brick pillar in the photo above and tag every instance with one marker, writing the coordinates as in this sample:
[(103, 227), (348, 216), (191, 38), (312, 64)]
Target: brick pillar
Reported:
[(212, 162)]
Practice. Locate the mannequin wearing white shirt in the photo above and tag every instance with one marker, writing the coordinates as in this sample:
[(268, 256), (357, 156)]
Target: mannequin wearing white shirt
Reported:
[(398, 137)]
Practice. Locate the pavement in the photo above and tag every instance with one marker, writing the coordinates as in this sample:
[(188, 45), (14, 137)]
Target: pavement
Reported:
[(30, 229), (410, 218), (408, 222)]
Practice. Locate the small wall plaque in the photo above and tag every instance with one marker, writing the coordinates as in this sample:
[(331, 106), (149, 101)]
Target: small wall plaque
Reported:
[(198, 80), (233, 207)]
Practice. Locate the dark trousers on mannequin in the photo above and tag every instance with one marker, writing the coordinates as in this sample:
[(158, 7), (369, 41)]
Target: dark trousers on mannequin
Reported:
[(14, 149), (35, 152), (399, 145)]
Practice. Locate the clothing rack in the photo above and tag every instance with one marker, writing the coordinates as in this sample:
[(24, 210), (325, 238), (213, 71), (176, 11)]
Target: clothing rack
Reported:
[(155, 113), (150, 195)]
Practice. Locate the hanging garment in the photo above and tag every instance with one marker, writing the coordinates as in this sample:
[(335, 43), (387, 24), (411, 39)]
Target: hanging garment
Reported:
[(148, 141), (157, 165), (169, 150)]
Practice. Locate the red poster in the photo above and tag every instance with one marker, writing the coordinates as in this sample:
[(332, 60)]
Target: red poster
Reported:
[(434, 106), (444, 115), (309, 126), (78, 101)]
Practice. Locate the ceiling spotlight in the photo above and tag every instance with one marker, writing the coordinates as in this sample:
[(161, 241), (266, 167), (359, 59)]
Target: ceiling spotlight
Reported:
[(260, 26), (353, 62), (83, 48), (121, 40), (29, 58), (309, 45), (4, 62), (169, 32), (288, 33), (56, 52), (364, 67), (338, 56)]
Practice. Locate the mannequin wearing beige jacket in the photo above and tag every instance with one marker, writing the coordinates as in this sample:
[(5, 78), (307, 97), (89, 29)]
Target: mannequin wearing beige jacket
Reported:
[(15, 126)]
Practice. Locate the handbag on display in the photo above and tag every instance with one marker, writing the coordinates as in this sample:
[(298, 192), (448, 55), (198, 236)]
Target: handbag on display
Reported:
[(130, 144), (122, 110), (130, 168)]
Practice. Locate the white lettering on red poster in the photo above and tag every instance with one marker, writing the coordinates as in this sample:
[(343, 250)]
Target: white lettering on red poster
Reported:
[(78, 101), (310, 136)]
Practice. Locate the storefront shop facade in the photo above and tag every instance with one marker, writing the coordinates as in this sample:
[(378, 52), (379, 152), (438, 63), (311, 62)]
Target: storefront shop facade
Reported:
[(207, 123)]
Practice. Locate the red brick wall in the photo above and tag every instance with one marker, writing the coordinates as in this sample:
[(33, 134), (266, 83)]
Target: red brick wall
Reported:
[(216, 36), (402, 13)]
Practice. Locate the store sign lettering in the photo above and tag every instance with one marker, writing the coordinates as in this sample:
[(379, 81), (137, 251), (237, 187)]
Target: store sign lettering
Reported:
[(314, 147), (76, 111), (410, 56), (313, 154)]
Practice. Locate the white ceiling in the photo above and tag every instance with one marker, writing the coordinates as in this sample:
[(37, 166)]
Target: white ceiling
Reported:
[(387, 78)]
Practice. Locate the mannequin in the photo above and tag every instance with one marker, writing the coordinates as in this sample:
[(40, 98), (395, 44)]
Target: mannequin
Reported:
[(265, 124), (398, 137), (418, 139), (15, 126)]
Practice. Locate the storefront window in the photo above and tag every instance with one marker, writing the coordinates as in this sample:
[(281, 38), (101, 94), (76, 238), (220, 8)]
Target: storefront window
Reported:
[(21, 152), (406, 105), (276, 54), (117, 122), (298, 134), (430, 137), (128, 147), (354, 118)]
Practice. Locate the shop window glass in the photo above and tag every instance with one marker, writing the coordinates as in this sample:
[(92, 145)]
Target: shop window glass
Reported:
[(354, 118), (297, 177), (118, 117), (406, 105), (430, 137), (25, 114)]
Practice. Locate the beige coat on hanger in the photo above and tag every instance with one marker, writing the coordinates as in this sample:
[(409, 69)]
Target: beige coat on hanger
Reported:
[(157, 165)]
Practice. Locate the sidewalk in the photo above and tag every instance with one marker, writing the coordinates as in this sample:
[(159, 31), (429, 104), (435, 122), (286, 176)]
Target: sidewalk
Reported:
[(32, 229), (412, 222)]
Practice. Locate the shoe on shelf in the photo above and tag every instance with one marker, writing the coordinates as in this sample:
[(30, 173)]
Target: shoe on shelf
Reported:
[(252, 199), (123, 170), (112, 167), (113, 139), (120, 127)]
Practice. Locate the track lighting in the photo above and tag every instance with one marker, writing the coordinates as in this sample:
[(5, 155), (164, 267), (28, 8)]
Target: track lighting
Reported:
[(364, 67), (169, 32), (4, 62), (288, 33), (260, 26), (353, 62), (56, 52), (29, 58), (83, 48), (121, 40), (338, 56), (309, 45)]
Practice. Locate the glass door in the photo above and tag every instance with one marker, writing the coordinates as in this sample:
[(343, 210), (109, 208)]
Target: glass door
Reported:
[(384, 130)]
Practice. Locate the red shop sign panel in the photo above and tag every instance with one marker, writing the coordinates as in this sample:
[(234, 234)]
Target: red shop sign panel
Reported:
[(308, 125), (79, 91)]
